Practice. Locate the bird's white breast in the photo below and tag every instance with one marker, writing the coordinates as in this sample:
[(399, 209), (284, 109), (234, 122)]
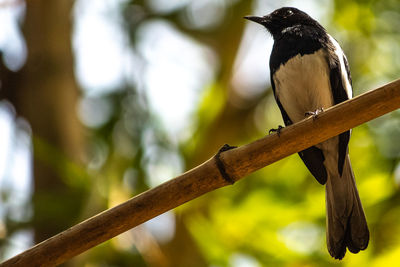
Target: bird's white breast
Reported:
[(302, 84)]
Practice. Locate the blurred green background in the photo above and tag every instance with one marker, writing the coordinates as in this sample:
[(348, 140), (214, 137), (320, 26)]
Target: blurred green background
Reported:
[(103, 99)]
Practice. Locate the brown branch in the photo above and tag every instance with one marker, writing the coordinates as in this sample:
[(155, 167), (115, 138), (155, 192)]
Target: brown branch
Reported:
[(206, 177)]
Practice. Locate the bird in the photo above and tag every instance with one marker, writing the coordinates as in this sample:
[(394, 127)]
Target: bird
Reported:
[(309, 72)]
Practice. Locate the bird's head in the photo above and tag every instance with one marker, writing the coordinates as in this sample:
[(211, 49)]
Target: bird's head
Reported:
[(281, 19)]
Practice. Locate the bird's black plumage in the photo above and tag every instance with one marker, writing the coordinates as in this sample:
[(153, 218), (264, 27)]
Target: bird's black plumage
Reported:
[(309, 71)]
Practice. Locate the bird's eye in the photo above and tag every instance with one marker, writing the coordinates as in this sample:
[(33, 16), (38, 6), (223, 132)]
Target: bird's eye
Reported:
[(289, 13)]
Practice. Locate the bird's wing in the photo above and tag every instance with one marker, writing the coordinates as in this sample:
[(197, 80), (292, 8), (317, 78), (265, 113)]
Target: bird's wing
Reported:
[(340, 80)]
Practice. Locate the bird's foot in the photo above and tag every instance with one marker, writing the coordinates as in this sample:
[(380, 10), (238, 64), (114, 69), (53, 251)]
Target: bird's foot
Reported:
[(315, 113), (277, 130)]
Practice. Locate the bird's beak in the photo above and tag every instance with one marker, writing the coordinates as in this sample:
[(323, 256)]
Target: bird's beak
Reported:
[(259, 20)]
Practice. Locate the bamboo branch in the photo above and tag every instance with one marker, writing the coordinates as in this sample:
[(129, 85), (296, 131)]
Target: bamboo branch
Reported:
[(238, 163)]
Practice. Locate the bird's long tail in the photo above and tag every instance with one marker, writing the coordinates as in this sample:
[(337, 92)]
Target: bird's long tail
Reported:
[(346, 223)]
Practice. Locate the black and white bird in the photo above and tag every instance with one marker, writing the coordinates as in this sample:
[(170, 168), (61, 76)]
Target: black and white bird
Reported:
[(309, 73)]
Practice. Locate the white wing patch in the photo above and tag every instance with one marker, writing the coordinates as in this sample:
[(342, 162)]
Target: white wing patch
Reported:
[(345, 78)]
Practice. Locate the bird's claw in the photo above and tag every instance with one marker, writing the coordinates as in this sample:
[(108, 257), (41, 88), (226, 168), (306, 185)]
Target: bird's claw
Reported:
[(315, 113), (277, 130)]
